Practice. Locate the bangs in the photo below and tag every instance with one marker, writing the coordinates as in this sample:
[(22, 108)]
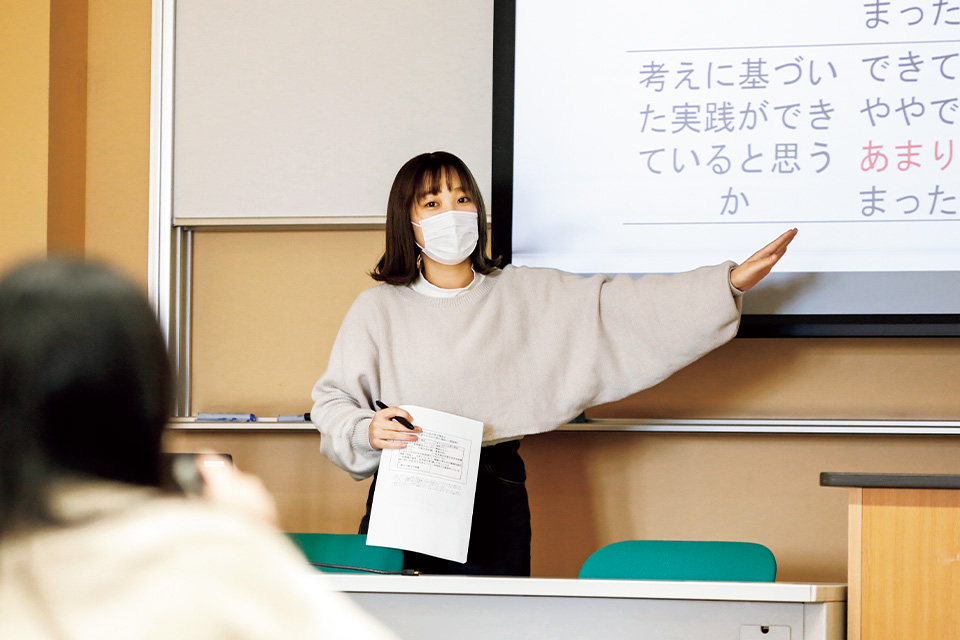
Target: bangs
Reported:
[(433, 179)]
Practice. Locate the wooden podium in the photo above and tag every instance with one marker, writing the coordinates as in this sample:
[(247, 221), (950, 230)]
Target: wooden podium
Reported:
[(903, 555)]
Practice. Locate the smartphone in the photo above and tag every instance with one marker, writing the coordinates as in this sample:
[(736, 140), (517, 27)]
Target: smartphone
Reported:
[(179, 472)]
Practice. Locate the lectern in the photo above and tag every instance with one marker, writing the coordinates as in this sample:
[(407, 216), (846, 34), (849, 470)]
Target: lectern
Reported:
[(903, 555)]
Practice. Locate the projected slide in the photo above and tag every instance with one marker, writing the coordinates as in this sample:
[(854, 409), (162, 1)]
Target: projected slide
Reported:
[(660, 136)]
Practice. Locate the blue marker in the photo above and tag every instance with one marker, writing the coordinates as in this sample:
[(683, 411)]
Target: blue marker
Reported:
[(226, 417)]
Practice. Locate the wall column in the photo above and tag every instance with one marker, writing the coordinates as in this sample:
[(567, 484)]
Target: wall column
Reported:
[(24, 129)]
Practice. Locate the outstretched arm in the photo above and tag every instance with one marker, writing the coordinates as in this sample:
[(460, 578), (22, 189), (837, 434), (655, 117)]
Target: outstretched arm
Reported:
[(757, 266)]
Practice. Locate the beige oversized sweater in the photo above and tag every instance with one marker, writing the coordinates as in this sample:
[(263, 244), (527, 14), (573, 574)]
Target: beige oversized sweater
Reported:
[(524, 351)]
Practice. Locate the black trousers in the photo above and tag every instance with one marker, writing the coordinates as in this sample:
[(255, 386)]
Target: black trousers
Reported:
[(500, 533)]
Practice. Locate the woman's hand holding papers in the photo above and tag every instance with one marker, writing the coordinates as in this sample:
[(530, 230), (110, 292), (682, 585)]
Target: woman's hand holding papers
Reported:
[(387, 433)]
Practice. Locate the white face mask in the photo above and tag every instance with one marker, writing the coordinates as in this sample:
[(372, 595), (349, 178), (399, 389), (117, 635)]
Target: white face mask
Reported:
[(450, 237)]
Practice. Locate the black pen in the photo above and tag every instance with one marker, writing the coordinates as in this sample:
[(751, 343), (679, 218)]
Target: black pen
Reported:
[(399, 419)]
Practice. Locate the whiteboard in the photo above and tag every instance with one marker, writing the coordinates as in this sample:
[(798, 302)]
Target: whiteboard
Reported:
[(293, 111)]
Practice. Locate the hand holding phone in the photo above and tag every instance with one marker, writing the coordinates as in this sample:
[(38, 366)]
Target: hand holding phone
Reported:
[(180, 472), (226, 486)]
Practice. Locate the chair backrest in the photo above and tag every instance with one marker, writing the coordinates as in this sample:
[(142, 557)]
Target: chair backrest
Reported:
[(682, 560), (344, 551)]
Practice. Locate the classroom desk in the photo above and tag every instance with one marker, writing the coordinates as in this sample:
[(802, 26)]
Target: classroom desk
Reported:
[(904, 554), (468, 608)]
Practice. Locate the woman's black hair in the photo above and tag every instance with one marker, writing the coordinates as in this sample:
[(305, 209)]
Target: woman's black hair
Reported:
[(400, 262), (85, 384)]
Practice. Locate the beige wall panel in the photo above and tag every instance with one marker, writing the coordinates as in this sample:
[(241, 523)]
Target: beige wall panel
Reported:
[(882, 378), (118, 134), (24, 135), (591, 489), (266, 309)]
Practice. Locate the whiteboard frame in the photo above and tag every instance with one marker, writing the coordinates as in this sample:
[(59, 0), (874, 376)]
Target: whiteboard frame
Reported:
[(170, 255), (160, 215)]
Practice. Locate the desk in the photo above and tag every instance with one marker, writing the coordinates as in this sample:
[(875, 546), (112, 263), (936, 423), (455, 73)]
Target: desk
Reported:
[(903, 555), (468, 608)]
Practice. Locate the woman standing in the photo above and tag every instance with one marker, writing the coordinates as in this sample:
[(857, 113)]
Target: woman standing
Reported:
[(523, 350)]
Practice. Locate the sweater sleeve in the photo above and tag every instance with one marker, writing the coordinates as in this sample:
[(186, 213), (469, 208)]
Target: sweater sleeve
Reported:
[(343, 395), (652, 326)]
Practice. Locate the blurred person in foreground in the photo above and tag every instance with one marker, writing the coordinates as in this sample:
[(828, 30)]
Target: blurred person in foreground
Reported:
[(90, 545)]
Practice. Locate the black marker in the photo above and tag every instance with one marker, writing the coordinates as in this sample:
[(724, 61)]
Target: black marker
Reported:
[(296, 417), (399, 419)]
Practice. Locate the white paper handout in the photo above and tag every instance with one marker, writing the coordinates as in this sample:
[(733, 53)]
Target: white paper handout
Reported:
[(424, 496)]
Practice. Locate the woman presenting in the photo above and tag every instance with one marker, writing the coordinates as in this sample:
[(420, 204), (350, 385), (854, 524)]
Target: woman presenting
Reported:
[(524, 350)]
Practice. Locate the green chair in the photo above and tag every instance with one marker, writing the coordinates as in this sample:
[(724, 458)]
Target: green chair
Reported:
[(347, 553), (682, 560)]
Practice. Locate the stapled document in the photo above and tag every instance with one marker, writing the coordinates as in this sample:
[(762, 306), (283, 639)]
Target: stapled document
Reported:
[(424, 496)]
